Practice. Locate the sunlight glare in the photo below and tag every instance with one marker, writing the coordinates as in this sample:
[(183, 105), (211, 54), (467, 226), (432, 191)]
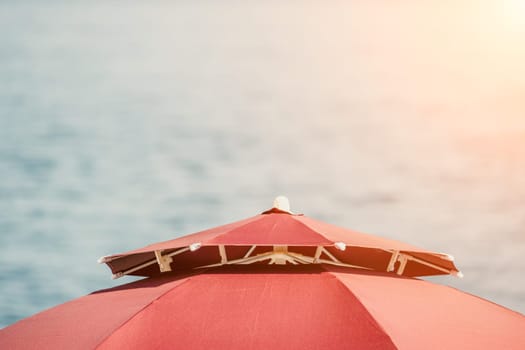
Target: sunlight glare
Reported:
[(514, 13)]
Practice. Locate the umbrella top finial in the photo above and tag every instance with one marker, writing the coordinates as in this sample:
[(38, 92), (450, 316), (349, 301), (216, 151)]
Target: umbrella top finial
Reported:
[(282, 203)]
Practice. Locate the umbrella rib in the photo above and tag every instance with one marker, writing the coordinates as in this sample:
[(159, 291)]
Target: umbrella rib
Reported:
[(253, 259), (222, 253), (281, 255), (413, 258), (164, 261), (250, 251), (148, 263), (310, 260), (324, 261), (330, 255), (403, 258), (139, 311), (318, 253), (242, 261), (393, 260)]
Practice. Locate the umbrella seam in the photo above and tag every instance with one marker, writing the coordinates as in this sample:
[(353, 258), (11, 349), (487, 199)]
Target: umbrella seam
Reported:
[(314, 231), (135, 251), (322, 234), (364, 307), (123, 255), (238, 227), (261, 217), (475, 296), (422, 251), (140, 311), (417, 249)]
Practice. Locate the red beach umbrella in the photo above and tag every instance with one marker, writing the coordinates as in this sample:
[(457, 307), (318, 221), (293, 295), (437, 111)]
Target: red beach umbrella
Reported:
[(250, 294), (277, 236)]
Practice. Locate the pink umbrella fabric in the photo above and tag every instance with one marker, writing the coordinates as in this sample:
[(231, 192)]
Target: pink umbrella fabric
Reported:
[(300, 238), (276, 280), (264, 307)]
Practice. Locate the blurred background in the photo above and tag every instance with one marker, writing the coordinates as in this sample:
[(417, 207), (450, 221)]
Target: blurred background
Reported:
[(128, 122)]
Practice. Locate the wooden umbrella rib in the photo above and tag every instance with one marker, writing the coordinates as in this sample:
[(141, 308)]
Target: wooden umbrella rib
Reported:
[(404, 258), (281, 255), (151, 262)]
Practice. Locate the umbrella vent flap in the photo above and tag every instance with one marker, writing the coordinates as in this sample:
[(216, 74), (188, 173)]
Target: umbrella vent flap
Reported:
[(280, 237)]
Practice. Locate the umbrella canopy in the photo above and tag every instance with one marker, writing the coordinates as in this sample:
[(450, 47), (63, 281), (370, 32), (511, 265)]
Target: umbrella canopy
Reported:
[(275, 280), (277, 236), (264, 307)]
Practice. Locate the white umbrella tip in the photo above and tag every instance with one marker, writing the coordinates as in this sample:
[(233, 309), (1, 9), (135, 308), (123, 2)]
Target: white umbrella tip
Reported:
[(117, 275), (448, 257), (340, 245), (458, 274), (195, 246), (282, 203)]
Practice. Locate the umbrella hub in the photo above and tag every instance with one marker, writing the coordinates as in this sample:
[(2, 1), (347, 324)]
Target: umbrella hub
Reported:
[(280, 255)]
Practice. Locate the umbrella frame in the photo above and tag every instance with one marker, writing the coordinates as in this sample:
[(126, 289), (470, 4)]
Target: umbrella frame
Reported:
[(280, 255)]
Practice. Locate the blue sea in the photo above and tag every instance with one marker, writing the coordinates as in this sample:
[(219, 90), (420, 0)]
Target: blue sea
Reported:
[(128, 122)]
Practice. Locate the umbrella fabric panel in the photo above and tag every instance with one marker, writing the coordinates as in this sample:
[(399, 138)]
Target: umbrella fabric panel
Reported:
[(421, 315), (254, 311), (273, 229), (87, 321), (371, 244), (350, 237), (201, 236), (260, 307), (284, 229)]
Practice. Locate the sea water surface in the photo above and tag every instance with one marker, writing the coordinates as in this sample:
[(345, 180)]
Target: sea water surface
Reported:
[(128, 122)]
